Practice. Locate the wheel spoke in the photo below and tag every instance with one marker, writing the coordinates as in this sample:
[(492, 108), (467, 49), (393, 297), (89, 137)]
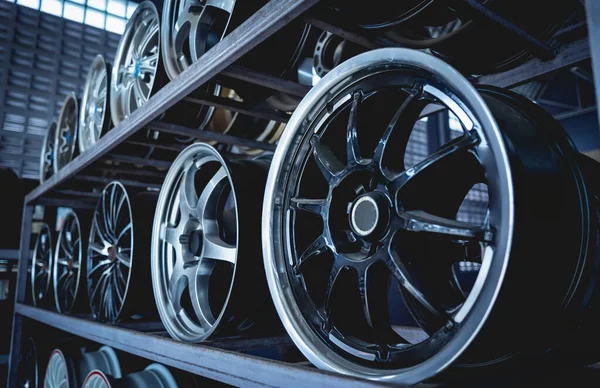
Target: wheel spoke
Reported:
[(440, 158), (211, 190), (180, 277), (334, 274), (102, 264), (140, 98), (316, 206), (352, 147), (171, 235), (421, 221), (199, 294), (188, 198), (314, 249), (217, 249), (125, 230), (327, 162), (409, 108)]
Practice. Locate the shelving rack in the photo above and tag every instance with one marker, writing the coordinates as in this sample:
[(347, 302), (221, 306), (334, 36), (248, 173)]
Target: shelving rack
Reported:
[(214, 360)]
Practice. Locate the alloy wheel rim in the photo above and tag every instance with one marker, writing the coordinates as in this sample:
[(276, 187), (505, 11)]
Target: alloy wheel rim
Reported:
[(47, 155), (56, 371), (136, 63), (194, 234), (428, 77), (110, 253), (93, 116), (67, 263), (96, 379), (41, 264), (65, 138), (189, 29)]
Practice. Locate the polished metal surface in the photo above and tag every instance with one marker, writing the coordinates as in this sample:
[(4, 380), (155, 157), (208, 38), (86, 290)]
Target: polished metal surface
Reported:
[(460, 97), (56, 371), (67, 263), (110, 250), (94, 117), (65, 139), (189, 29), (188, 241), (136, 63), (47, 154), (41, 264)]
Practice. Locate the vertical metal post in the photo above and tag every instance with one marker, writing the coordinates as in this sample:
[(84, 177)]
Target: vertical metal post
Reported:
[(20, 291), (592, 9)]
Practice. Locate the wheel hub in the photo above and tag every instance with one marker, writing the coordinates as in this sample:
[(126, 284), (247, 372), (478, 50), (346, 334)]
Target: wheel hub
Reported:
[(112, 254), (193, 241), (369, 215)]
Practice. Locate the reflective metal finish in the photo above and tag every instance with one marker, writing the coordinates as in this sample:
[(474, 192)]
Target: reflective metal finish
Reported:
[(195, 233), (154, 375), (56, 371), (136, 63), (67, 263), (94, 118), (41, 265), (369, 249), (109, 255), (189, 29), (47, 155), (65, 139)]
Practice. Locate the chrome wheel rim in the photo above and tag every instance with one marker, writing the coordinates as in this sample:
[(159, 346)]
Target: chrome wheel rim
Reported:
[(96, 379), (189, 29), (67, 264), (302, 141), (110, 251), (189, 242), (93, 118), (65, 138), (47, 155), (41, 264), (136, 63), (56, 372)]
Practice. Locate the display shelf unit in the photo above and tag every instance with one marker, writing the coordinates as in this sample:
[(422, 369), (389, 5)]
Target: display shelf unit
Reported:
[(217, 360)]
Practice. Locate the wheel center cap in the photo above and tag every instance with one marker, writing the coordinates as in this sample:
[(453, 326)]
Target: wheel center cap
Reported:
[(136, 70), (193, 241), (369, 215), (112, 254)]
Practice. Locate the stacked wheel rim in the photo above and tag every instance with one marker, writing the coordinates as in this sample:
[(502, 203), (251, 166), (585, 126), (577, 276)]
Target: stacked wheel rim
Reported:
[(110, 253), (94, 118), (47, 155), (135, 70), (57, 374), (65, 139), (67, 263), (371, 214), (41, 264), (194, 235)]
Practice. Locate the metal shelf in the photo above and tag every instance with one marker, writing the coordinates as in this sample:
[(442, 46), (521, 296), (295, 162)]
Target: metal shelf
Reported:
[(215, 361), (209, 361)]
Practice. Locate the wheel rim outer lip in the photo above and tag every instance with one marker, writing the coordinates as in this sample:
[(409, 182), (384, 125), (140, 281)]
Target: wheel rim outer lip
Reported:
[(33, 263), (296, 326), (155, 260), (55, 264), (71, 98), (122, 51), (62, 356), (97, 63), (89, 267)]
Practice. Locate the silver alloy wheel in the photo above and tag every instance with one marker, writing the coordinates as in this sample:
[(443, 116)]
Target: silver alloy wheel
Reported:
[(189, 29), (56, 372), (187, 242), (41, 264), (136, 63), (65, 139), (67, 263), (94, 118), (154, 375), (109, 255), (47, 154), (309, 119)]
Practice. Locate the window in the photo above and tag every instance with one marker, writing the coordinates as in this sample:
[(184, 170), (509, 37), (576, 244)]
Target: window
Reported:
[(110, 15)]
